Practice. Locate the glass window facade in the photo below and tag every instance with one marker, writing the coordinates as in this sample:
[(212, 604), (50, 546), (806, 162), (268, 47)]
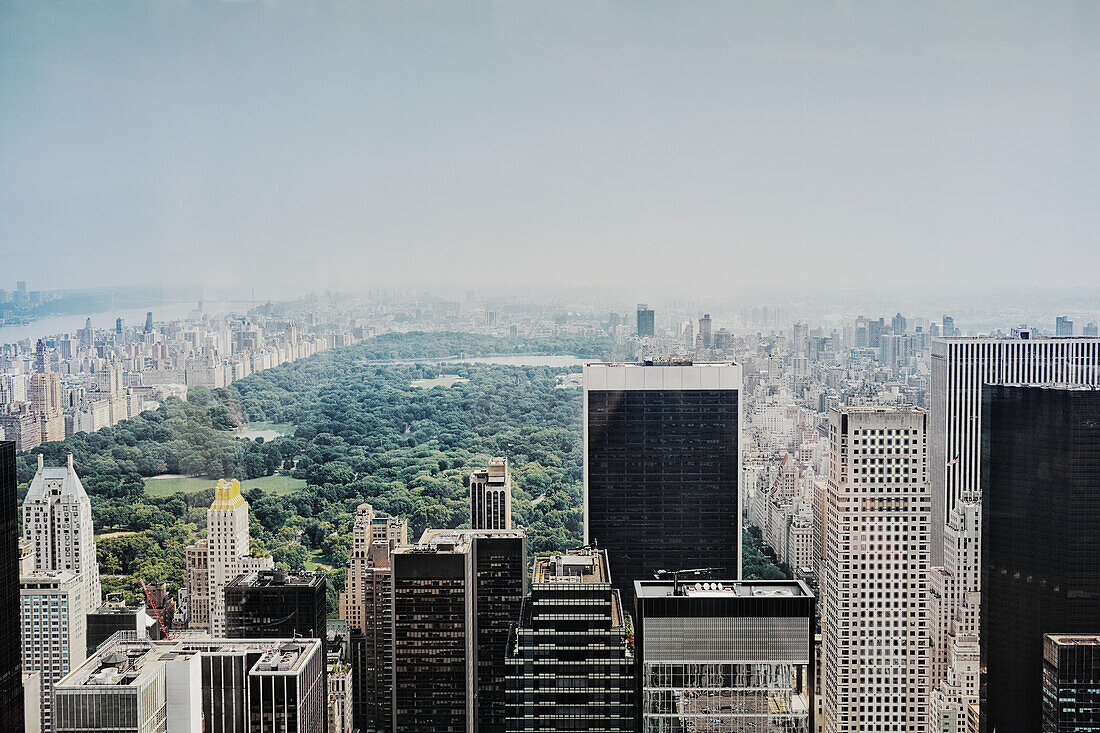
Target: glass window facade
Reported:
[(663, 480), (1040, 479)]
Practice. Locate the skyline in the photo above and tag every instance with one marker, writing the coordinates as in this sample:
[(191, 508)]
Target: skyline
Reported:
[(338, 146)]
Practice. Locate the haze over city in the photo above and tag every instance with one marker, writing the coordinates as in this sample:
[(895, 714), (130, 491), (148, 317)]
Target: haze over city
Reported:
[(703, 147)]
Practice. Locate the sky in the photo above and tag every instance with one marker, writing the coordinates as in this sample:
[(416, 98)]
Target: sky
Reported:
[(695, 147)]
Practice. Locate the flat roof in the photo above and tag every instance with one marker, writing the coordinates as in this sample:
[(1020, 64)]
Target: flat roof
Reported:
[(1074, 639), (575, 566), (723, 588)]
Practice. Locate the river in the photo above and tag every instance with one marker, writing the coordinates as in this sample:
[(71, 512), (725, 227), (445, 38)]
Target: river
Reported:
[(53, 325)]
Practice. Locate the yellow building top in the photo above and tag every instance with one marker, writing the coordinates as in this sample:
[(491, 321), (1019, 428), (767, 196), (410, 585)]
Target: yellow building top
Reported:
[(227, 496)]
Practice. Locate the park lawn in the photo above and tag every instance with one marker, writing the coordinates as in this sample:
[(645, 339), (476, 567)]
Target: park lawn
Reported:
[(446, 380), (312, 564), (277, 484)]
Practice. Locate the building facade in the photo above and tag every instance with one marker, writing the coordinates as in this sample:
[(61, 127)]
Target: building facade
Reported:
[(276, 604), (11, 658), (220, 557), (52, 612), (491, 496), (455, 594), (724, 656), (572, 626), (1040, 574), (1071, 683), (57, 521), (875, 605), (662, 462)]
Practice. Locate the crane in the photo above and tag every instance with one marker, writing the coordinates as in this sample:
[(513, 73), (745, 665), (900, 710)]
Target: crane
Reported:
[(156, 611)]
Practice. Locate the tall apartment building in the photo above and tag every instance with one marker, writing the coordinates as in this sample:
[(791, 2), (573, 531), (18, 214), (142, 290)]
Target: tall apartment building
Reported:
[(57, 521), (206, 685), (875, 616), (572, 626), (52, 614), (1040, 574), (724, 656), (11, 658), (366, 605), (44, 396), (455, 595), (275, 604), (662, 464), (491, 496), (645, 320), (1071, 683), (219, 558), (705, 340)]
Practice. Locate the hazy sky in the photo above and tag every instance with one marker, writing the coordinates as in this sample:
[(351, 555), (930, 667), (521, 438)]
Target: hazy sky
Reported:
[(707, 145)]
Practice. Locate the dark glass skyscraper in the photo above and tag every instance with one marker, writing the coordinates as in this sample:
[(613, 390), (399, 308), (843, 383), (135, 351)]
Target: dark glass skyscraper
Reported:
[(1071, 683), (1040, 479), (11, 667), (645, 320), (661, 468), (274, 604)]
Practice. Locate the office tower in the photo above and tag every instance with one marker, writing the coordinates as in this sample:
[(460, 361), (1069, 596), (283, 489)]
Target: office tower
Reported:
[(365, 605), (645, 320), (341, 694), (41, 358), (44, 396), (662, 458), (1040, 575), (705, 339), (114, 616), (149, 322), (220, 557), (1063, 326), (86, 335), (196, 686), (875, 615), (11, 684), (1071, 683), (1091, 329), (898, 325), (949, 327), (52, 615), (57, 521), (455, 594), (491, 496), (724, 655), (276, 604), (118, 326), (800, 339), (572, 626)]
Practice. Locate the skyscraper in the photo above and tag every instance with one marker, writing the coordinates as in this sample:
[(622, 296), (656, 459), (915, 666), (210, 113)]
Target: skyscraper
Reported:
[(149, 322), (645, 320), (1040, 548), (455, 595), (1071, 683), (662, 457), (724, 655), (875, 612), (11, 684), (491, 496), (44, 395), (705, 338), (949, 327), (365, 604), (1063, 326), (52, 614), (572, 626), (220, 557), (275, 604), (57, 521)]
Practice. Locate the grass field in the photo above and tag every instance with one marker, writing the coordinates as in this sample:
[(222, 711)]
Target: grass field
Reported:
[(189, 484), (447, 380), (313, 564)]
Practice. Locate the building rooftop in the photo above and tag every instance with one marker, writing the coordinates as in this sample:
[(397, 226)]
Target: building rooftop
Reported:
[(584, 565), (227, 496), (1074, 639), (722, 588), (278, 579), (455, 540), (69, 483)]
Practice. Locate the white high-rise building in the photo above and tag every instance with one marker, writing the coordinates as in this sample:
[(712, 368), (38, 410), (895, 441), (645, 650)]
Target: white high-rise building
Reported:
[(57, 521), (960, 366), (875, 602), (53, 612), (221, 557), (491, 496)]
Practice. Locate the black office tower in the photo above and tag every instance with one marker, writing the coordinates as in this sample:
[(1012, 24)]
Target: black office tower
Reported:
[(1071, 683), (645, 320), (661, 468), (1040, 479), (11, 658), (274, 604)]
